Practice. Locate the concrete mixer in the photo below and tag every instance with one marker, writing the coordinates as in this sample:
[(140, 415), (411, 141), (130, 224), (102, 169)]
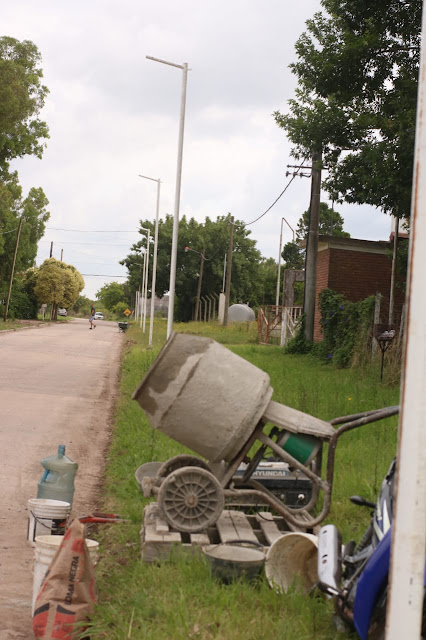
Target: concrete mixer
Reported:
[(202, 395)]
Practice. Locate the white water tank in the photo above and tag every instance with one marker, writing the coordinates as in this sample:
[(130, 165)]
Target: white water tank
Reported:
[(241, 313)]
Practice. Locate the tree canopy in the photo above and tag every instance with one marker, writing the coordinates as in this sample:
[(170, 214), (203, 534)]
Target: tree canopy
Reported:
[(34, 213), (210, 238), (357, 73), (22, 96), (330, 224), (112, 294), (57, 283)]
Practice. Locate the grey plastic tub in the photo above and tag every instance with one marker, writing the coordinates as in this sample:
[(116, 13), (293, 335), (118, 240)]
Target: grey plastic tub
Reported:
[(204, 396)]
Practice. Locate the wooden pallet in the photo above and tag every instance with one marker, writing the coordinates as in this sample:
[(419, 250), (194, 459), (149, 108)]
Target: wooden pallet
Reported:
[(157, 539)]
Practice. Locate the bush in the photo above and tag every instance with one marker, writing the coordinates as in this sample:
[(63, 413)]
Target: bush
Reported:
[(23, 304), (346, 327), (119, 310), (298, 344)]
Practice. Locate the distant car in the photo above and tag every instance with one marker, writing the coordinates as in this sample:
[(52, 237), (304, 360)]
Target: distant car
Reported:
[(62, 312), (99, 315)]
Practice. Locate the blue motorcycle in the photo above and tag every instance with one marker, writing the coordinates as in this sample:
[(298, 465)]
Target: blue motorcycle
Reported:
[(356, 575)]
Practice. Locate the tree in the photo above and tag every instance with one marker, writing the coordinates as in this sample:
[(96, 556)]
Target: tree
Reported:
[(210, 238), (293, 256), (58, 284), (111, 294), (74, 284), (356, 99), (330, 224), (34, 213), (267, 281), (51, 282), (82, 306), (22, 96)]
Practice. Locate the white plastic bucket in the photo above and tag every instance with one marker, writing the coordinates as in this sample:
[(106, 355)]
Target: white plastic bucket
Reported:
[(45, 550), (292, 560), (47, 517)]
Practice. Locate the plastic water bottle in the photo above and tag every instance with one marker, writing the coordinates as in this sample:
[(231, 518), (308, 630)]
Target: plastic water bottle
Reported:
[(57, 482)]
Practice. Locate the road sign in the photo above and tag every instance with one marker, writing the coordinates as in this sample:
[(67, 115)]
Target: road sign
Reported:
[(127, 312)]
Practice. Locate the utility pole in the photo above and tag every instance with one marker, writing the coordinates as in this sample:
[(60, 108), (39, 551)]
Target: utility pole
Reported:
[(62, 254), (312, 247), (51, 249), (13, 269), (228, 271)]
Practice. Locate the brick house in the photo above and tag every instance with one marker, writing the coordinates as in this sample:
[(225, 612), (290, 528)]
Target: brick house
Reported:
[(357, 269)]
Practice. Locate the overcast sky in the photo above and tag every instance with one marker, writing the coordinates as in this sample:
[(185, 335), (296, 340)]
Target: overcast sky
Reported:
[(113, 114)]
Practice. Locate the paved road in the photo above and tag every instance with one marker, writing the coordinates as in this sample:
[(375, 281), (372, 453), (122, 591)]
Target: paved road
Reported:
[(57, 386)]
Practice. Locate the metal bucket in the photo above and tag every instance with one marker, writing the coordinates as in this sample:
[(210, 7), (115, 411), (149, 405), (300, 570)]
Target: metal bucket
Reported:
[(229, 562), (204, 396)]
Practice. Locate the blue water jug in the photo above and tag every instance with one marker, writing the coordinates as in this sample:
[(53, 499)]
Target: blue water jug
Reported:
[(57, 482)]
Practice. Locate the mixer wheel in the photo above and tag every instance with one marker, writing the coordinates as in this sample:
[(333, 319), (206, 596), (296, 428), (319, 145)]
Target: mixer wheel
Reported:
[(191, 499), (177, 462)]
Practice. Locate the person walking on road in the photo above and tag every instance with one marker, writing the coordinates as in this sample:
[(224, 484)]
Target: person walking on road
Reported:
[(92, 318)]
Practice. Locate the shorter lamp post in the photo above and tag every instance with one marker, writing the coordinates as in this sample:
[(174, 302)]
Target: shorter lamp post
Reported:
[(277, 297), (145, 279)]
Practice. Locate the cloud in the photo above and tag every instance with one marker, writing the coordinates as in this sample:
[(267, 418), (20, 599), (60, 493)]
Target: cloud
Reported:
[(113, 114)]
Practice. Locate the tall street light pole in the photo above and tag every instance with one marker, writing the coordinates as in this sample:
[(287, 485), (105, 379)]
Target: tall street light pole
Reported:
[(154, 265), (277, 297), (144, 291), (173, 260)]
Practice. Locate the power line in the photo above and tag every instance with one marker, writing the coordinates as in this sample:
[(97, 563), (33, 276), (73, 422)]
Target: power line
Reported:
[(92, 230), (281, 194), (11, 231), (98, 244), (102, 275)]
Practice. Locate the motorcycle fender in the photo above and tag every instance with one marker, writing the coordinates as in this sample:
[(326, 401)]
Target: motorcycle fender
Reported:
[(371, 583)]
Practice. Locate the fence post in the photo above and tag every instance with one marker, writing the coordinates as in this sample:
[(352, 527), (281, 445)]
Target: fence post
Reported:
[(283, 327)]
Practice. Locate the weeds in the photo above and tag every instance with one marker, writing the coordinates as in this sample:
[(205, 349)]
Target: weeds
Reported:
[(178, 599)]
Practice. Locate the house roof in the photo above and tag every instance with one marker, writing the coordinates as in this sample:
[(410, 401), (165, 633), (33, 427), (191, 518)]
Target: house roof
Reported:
[(351, 244)]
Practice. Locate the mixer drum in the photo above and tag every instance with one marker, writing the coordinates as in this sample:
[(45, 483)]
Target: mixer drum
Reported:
[(204, 396)]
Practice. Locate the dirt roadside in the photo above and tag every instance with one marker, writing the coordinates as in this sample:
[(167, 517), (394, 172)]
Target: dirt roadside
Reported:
[(58, 385)]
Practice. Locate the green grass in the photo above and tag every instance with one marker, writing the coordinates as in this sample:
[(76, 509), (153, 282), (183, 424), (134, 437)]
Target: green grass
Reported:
[(178, 599), (16, 324)]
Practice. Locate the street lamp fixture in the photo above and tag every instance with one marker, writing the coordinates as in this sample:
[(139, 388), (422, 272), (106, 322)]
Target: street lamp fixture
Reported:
[(173, 259)]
